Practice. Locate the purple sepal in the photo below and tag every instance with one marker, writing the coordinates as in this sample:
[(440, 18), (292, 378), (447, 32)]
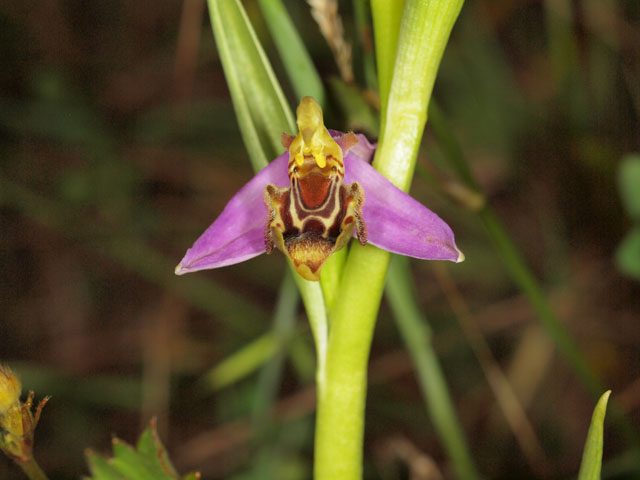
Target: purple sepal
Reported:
[(363, 149), (395, 221), (238, 233)]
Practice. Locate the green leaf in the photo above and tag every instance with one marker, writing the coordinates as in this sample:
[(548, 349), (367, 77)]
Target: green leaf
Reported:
[(241, 363), (260, 105), (387, 18), (134, 465), (296, 59), (629, 184), (101, 469), (592, 455), (149, 445), (149, 461), (357, 112), (628, 254)]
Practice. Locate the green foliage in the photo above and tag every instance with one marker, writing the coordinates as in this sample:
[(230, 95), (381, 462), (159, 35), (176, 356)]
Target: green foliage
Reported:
[(261, 109), (147, 461), (628, 252), (629, 184), (592, 455), (295, 57)]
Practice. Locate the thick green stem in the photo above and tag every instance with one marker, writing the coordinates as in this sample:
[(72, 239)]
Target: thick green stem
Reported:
[(340, 415), (423, 36)]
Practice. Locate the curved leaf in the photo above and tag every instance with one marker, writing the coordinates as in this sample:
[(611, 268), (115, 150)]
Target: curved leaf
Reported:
[(592, 455)]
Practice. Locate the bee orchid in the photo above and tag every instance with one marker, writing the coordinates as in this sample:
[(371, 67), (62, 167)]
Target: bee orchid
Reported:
[(310, 201)]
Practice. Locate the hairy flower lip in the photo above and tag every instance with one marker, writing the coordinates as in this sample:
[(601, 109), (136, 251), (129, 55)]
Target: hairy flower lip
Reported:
[(396, 222)]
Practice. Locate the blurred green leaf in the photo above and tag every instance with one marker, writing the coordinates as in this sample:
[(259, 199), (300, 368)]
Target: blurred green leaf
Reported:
[(296, 59), (363, 48), (357, 112), (592, 455), (629, 184), (149, 461), (241, 363), (261, 108), (628, 254)]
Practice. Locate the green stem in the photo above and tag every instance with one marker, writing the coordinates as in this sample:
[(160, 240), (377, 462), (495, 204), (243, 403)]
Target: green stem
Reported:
[(331, 276), (416, 333), (341, 402), (340, 415), (313, 301), (32, 470)]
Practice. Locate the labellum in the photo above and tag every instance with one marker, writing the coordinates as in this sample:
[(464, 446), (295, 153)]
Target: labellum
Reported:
[(317, 213)]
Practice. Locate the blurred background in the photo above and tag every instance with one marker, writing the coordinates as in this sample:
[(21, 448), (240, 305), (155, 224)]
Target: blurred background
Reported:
[(119, 145)]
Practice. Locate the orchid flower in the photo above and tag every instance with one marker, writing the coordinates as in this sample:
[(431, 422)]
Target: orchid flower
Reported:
[(309, 201)]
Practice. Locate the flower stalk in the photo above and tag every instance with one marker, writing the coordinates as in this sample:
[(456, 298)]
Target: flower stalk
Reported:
[(18, 423), (423, 36)]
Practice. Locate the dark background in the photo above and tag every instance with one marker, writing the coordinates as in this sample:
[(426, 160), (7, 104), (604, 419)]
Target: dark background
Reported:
[(119, 145)]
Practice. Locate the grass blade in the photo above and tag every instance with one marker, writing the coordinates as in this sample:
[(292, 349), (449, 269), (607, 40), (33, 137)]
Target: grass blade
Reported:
[(297, 62), (592, 454), (261, 108)]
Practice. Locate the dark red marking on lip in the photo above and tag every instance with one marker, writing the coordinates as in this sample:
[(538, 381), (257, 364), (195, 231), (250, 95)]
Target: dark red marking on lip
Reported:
[(348, 220), (313, 225), (314, 189)]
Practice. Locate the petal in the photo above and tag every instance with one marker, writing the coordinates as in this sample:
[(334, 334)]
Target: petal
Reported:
[(363, 149), (238, 233), (396, 222)]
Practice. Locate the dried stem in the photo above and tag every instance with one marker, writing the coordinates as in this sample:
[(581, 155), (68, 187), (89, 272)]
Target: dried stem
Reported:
[(325, 13)]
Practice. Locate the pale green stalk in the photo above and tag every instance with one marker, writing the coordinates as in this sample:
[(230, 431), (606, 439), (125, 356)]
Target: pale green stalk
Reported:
[(313, 300), (331, 276), (32, 470), (340, 419)]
